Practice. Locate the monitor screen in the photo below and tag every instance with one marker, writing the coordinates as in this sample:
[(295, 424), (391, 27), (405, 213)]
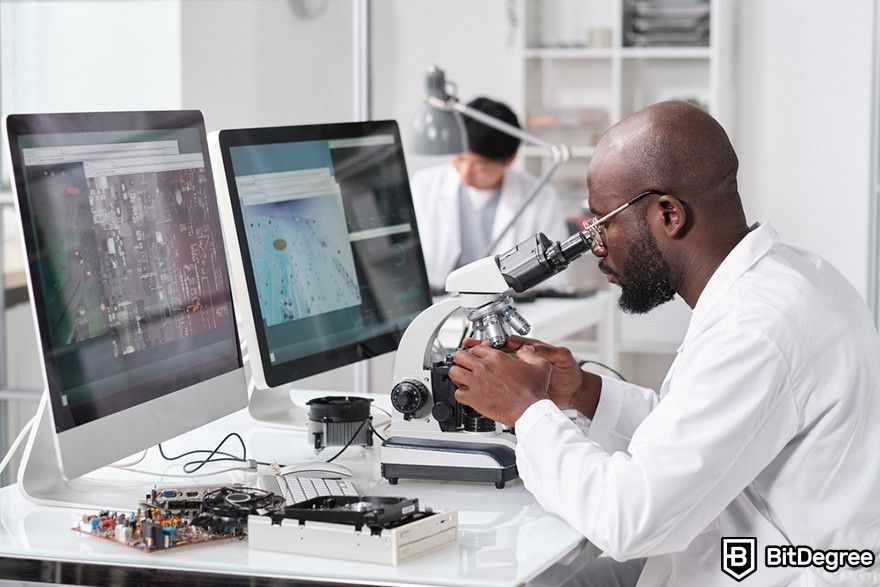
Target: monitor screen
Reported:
[(126, 259), (329, 242)]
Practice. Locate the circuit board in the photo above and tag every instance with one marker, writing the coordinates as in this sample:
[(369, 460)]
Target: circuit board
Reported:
[(188, 515), (151, 530)]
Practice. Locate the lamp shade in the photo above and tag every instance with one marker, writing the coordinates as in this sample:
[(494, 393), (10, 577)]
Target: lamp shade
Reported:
[(437, 130)]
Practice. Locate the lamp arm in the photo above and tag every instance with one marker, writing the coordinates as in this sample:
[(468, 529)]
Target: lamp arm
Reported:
[(531, 197), (555, 150)]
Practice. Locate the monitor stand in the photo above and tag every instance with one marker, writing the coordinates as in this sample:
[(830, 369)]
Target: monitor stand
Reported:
[(274, 407), (42, 481)]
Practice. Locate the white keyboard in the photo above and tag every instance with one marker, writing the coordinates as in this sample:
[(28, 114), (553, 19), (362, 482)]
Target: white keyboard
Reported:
[(297, 489)]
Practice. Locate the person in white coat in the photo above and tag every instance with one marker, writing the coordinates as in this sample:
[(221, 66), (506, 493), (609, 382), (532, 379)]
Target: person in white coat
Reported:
[(767, 426), (463, 205)]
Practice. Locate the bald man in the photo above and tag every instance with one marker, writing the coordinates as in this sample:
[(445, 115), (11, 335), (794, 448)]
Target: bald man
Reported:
[(767, 425)]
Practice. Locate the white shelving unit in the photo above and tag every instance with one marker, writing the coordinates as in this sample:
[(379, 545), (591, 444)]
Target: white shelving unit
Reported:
[(575, 67)]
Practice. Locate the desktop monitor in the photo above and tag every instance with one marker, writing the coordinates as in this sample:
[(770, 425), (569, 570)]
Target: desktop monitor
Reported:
[(129, 283), (330, 269)]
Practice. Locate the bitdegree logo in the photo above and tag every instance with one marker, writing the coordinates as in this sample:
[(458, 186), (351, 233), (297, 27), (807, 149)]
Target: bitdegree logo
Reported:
[(805, 556), (738, 557)]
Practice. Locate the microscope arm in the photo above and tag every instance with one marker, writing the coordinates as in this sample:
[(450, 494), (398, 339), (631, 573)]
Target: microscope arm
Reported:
[(481, 289), (414, 352), (435, 437)]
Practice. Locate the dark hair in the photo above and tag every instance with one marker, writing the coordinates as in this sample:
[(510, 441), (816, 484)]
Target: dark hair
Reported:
[(485, 140)]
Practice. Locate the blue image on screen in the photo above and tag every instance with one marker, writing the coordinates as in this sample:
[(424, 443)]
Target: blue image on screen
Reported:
[(302, 259)]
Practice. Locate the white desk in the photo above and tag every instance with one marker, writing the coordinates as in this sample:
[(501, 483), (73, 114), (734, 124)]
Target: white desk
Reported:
[(505, 538)]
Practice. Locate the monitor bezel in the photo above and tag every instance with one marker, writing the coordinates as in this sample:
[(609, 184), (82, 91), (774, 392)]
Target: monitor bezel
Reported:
[(293, 370), (85, 447)]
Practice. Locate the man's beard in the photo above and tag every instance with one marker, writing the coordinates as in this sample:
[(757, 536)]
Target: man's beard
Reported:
[(644, 277)]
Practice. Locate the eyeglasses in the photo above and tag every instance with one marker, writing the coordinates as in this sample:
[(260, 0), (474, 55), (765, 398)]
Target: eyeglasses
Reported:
[(596, 226)]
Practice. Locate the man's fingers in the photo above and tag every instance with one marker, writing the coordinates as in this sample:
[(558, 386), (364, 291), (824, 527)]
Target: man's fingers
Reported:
[(525, 351), (521, 340), (460, 376), (557, 355), (472, 342), (462, 395), (475, 354), (515, 342), (468, 342), (466, 358), (527, 354)]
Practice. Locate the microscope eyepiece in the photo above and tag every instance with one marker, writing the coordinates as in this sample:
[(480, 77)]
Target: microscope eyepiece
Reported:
[(537, 259)]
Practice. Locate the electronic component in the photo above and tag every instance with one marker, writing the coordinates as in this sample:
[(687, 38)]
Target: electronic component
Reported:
[(374, 513), (227, 508), (151, 529), (373, 529), (219, 513), (340, 421), (186, 497)]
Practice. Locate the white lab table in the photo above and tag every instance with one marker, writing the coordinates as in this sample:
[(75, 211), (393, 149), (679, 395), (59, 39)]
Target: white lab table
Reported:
[(505, 538)]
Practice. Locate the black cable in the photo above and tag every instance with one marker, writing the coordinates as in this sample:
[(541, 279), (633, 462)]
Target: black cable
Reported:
[(350, 440), (225, 454), (193, 466), (187, 469), (583, 362)]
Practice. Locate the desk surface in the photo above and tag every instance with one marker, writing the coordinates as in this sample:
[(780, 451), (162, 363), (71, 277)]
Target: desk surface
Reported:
[(505, 538)]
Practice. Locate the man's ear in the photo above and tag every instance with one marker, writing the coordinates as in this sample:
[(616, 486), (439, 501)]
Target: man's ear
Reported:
[(674, 215)]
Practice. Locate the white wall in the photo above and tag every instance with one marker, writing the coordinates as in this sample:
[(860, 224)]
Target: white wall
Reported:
[(804, 116), (90, 55), (241, 62), (469, 40), (249, 63), (803, 104)]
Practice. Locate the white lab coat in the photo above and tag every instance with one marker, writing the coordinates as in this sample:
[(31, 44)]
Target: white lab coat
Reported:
[(767, 425), (436, 197)]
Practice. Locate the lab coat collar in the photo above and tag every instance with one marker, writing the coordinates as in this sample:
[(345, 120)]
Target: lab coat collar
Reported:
[(743, 256)]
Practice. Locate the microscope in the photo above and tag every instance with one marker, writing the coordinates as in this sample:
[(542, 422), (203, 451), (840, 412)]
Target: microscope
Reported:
[(432, 435)]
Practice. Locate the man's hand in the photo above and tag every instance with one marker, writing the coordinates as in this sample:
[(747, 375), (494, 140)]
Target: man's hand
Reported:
[(498, 385), (570, 387)]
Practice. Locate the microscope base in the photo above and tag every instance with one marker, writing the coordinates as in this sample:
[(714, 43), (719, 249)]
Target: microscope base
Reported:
[(444, 460)]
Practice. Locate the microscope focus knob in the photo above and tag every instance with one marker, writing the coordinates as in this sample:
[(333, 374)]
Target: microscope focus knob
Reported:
[(409, 396), (442, 411)]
